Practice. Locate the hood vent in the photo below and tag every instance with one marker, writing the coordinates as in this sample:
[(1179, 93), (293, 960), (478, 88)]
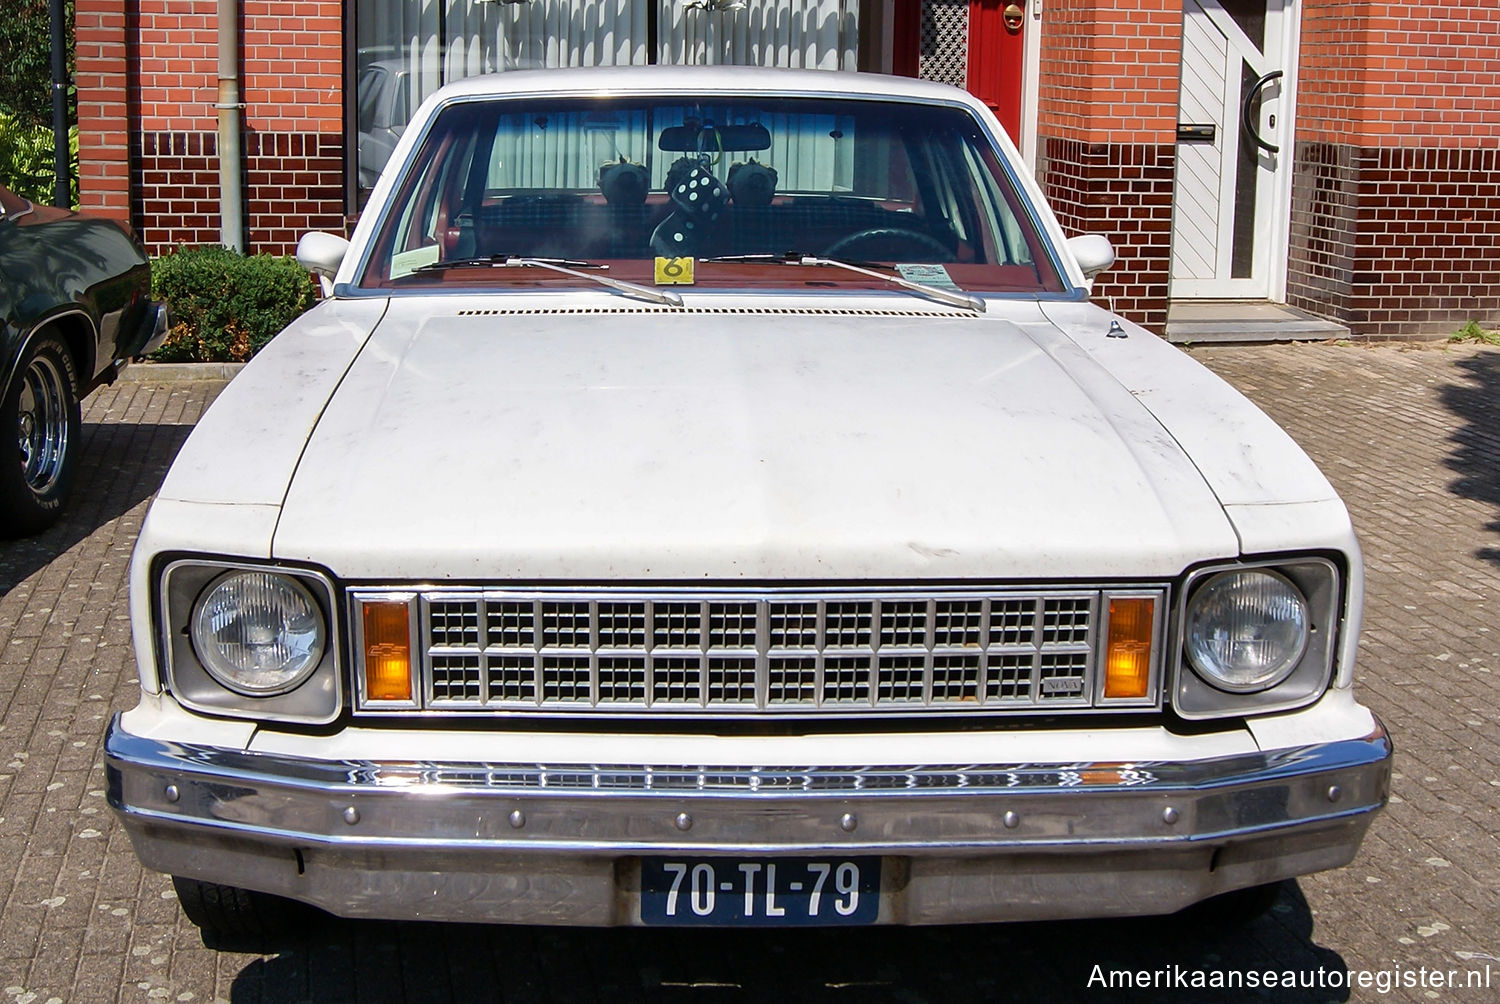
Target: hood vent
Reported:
[(798, 311)]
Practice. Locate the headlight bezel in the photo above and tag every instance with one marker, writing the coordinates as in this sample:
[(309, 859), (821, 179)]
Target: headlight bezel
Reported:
[(1321, 583), (182, 583)]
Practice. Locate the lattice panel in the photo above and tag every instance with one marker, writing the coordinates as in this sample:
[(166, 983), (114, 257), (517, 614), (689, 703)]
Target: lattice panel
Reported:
[(944, 55)]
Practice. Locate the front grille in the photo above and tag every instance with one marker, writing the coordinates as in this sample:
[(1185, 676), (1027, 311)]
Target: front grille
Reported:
[(782, 652)]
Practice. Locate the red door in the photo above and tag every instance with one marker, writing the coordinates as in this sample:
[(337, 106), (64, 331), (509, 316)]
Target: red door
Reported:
[(997, 57)]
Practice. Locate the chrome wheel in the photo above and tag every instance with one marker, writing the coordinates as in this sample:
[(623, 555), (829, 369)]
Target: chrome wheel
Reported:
[(42, 423)]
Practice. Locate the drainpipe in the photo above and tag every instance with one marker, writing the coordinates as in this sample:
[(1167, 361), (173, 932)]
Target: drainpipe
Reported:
[(231, 195), (62, 164)]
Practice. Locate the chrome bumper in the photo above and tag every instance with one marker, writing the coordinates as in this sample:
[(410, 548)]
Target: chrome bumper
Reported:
[(161, 326), (541, 844)]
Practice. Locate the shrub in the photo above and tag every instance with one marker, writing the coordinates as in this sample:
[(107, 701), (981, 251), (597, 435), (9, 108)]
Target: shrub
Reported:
[(26, 165), (225, 305)]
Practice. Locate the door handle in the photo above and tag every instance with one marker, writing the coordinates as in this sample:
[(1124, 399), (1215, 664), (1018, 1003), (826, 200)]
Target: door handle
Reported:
[(1245, 120)]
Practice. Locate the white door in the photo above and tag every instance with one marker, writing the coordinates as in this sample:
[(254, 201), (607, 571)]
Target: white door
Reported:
[(1232, 145)]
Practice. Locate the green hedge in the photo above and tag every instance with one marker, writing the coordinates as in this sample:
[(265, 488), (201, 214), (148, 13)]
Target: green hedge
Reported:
[(225, 305), (26, 164)]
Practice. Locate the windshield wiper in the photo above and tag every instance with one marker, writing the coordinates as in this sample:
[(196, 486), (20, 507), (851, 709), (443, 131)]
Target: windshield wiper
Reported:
[(500, 260), (951, 297), (559, 265)]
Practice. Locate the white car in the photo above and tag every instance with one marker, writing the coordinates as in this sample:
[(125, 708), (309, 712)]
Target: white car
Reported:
[(710, 497)]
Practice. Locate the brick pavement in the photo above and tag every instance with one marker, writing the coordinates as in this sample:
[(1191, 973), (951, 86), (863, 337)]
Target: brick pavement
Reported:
[(1411, 436)]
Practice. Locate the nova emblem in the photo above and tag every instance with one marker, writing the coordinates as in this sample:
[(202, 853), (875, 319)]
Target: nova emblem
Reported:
[(1062, 685)]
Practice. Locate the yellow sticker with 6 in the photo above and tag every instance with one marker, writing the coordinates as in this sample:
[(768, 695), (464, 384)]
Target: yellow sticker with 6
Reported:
[(674, 271)]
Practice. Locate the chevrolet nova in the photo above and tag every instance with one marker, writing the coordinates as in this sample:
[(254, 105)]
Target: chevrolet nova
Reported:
[(710, 497)]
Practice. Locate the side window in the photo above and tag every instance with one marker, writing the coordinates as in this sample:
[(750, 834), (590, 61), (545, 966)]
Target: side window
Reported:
[(1000, 226), (368, 90), (944, 211), (882, 170), (401, 103), (430, 217)]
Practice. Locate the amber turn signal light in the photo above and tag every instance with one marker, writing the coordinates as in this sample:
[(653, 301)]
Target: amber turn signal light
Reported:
[(387, 652), (1127, 672)]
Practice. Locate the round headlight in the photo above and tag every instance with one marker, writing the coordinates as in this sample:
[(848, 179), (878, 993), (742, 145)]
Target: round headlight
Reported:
[(258, 633), (1246, 630)]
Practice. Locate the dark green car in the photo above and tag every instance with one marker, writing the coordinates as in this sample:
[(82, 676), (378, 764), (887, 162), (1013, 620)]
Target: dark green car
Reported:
[(75, 306)]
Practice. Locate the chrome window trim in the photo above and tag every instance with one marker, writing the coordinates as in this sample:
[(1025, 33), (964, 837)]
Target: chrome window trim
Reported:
[(349, 291), (282, 707)]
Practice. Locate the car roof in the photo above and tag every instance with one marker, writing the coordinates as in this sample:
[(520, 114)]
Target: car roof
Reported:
[(698, 79)]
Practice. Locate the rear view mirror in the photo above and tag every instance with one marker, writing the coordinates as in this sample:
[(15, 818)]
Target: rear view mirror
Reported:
[(711, 139)]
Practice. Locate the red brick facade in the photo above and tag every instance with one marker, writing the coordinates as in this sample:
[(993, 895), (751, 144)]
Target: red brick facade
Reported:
[(161, 171), (104, 113), (1106, 133), (1396, 184)]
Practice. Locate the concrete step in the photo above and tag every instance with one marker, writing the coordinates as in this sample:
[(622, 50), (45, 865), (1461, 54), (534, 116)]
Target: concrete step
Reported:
[(1204, 321)]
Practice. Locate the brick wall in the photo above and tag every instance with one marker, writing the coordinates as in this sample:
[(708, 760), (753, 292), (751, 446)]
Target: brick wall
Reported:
[(103, 120), (148, 83), (1396, 183), (1106, 131)]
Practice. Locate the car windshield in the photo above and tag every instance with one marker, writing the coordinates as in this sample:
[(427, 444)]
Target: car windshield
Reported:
[(740, 185)]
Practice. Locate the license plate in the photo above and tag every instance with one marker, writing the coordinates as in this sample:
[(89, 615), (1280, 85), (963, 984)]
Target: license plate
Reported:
[(767, 892)]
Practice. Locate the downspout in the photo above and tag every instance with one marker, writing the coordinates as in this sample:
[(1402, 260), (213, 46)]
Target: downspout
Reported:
[(62, 161), (231, 194)]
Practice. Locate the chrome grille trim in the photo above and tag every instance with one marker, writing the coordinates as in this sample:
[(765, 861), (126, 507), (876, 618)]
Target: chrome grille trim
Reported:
[(760, 652), (673, 779)]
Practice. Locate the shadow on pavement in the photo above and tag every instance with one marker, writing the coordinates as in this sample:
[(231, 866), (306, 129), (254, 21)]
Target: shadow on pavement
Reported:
[(122, 465), (1476, 454), (1054, 962)]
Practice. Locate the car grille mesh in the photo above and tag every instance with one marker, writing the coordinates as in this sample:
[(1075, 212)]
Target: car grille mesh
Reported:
[(483, 650)]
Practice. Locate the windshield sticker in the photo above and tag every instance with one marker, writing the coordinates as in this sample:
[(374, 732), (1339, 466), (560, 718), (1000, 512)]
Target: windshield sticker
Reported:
[(674, 271), (407, 262), (931, 275)]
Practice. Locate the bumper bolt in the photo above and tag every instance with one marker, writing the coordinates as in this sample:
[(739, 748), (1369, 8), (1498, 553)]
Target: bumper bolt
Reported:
[(172, 793), (1335, 793), (848, 821), (351, 815), (1011, 819), (683, 821), (517, 818), (1169, 815)]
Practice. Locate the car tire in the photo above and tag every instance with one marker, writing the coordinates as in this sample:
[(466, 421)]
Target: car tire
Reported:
[(40, 423), (234, 912)]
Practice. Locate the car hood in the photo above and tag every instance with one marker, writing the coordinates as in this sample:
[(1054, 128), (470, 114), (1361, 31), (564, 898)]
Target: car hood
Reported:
[(630, 443)]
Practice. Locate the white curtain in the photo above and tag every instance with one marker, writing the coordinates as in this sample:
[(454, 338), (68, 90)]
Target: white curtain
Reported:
[(811, 34), (563, 151), (438, 41)]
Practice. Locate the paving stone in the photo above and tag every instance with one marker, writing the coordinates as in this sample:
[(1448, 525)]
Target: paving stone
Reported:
[(1409, 435)]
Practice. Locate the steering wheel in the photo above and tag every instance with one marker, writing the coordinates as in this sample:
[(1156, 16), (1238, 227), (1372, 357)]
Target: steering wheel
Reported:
[(925, 246)]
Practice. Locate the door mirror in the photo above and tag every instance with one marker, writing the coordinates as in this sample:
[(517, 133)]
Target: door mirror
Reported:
[(321, 254), (1093, 253)]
